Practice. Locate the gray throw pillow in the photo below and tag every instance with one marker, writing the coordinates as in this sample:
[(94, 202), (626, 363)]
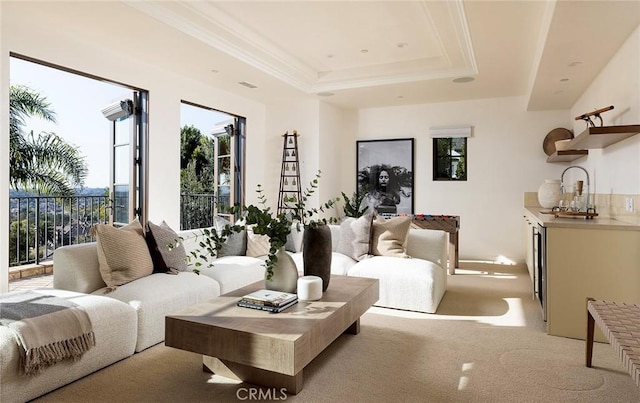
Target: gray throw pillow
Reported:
[(294, 239), (167, 251), (236, 243), (355, 236)]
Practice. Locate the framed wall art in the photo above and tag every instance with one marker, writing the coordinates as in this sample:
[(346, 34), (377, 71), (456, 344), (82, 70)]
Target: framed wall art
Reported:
[(385, 175)]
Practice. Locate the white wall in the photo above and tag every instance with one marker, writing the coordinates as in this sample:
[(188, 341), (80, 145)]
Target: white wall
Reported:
[(616, 169), (301, 116), (325, 134), (102, 58), (505, 159)]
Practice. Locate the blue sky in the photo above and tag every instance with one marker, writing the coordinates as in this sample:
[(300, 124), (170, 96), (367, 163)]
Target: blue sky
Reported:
[(77, 102)]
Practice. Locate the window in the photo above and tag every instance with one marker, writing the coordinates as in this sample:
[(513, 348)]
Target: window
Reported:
[(450, 159), (212, 159)]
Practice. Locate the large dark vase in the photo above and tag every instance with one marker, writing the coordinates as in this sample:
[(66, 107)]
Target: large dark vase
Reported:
[(316, 253)]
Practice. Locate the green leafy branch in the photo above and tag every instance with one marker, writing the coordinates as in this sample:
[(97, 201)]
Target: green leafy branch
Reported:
[(303, 215)]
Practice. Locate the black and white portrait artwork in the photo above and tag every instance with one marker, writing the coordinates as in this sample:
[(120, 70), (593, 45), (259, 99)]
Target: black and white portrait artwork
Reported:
[(385, 174)]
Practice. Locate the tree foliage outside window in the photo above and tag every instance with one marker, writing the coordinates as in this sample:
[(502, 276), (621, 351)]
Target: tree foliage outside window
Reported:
[(450, 159), (44, 163), (197, 163)]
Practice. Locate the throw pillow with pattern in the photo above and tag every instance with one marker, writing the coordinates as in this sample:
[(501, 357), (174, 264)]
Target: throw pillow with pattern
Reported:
[(123, 254), (166, 249)]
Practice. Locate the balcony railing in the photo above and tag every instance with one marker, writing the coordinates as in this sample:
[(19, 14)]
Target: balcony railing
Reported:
[(199, 210), (40, 224)]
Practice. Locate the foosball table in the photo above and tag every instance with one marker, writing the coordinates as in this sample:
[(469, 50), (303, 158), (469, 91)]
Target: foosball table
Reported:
[(448, 223)]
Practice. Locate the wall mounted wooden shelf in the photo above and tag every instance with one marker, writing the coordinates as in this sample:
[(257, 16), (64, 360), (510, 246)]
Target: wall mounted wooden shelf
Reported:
[(566, 155), (601, 137), (592, 138)]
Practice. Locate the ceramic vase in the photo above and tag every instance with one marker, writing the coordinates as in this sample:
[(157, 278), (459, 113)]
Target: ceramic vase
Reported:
[(285, 274), (316, 253), (549, 193)]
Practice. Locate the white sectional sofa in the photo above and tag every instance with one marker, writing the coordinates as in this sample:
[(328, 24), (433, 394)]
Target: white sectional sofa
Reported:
[(131, 318), (115, 328), (414, 284)]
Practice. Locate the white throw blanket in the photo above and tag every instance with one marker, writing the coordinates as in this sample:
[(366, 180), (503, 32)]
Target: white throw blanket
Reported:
[(48, 329)]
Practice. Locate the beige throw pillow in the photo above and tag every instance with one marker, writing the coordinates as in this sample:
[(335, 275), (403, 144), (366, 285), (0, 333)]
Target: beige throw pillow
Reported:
[(355, 235), (257, 245), (389, 236), (122, 253)]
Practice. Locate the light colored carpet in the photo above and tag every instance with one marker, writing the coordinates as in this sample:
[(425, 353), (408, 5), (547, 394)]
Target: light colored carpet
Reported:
[(486, 343)]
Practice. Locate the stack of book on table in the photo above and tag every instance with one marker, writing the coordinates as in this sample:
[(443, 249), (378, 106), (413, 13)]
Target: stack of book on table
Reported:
[(268, 300)]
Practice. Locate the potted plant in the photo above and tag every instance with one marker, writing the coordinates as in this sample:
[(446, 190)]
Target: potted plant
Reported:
[(277, 228), (352, 205), (281, 273)]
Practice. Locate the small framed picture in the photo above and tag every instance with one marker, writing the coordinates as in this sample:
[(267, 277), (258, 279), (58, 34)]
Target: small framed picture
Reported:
[(385, 175)]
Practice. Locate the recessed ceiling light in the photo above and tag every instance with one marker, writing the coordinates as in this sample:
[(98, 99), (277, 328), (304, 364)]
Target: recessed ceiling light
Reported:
[(402, 45), (400, 96), (574, 64), (330, 56), (564, 80), (215, 71), (364, 50), (325, 94), (248, 85), (463, 79)]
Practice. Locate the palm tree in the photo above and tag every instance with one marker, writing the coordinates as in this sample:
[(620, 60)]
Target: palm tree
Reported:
[(46, 164)]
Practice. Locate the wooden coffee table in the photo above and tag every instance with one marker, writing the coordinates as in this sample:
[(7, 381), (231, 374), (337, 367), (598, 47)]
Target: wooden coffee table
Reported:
[(264, 348)]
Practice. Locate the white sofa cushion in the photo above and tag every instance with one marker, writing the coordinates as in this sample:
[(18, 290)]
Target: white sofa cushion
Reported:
[(76, 268), (340, 264), (160, 294), (410, 284), (233, 272), (114, 325)]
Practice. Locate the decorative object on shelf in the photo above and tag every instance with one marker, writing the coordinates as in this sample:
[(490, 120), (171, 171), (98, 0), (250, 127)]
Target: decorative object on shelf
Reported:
[(549, 142), (385, 173), (587, 116), (285, 273), (549, 193)]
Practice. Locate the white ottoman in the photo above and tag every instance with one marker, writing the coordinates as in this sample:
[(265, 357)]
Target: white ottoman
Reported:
[(115, 327), (413, 285)]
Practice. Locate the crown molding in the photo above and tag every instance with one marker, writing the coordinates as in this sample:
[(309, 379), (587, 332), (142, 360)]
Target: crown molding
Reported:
[(208, 23)]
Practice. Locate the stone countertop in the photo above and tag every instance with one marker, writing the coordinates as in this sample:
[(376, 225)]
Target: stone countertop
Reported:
[(605, 223)]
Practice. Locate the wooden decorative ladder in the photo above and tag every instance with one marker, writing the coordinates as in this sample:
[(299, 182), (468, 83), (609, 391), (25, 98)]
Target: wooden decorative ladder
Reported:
[(290, 190)]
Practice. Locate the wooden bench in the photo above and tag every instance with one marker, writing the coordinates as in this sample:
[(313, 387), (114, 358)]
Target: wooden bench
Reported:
[(620, 324)]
